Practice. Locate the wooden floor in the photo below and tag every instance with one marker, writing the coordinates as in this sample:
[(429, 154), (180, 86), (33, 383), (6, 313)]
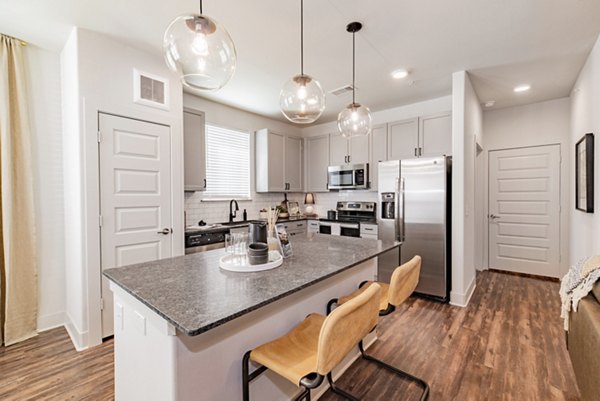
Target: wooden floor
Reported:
[(508, 344), (47, 367)]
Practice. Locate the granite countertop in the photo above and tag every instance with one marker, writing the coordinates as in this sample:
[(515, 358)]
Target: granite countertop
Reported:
[(195, 295)]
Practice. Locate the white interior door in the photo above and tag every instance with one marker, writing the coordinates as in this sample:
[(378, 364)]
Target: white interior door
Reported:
[(135, 197), (524, 210)]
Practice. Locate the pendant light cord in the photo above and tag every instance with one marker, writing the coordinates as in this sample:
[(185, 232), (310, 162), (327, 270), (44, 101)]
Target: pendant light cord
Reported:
[(353, 68), (301, 37), (200, 7)]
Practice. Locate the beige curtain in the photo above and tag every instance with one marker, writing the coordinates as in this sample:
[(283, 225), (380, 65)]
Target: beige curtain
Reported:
[(18, 264)]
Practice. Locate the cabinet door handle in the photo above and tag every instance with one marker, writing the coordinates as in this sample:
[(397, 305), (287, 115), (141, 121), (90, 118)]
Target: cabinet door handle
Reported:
[(205, 183), (420, 151), (416, 152)]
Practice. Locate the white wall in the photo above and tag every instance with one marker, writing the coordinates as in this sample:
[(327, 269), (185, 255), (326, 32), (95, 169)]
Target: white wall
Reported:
[(466, 131), (100, 78), (229, 117), (543, 123), (43, 70), (75, 294), (585, 118)]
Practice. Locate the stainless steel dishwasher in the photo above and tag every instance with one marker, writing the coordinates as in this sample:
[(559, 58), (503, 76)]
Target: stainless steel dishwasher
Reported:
[(204, 241)]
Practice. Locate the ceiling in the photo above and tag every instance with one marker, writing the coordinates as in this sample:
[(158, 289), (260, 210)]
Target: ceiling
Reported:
[(502, 43)]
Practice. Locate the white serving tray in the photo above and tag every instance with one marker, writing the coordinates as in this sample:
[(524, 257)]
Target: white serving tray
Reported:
[(234, 263)]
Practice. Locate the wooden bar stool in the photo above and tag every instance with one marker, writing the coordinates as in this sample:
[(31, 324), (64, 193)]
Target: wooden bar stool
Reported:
[(402, 284), (311, 350)]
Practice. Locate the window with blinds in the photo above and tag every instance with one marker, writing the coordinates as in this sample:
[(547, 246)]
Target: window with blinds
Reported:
[(227, 163)]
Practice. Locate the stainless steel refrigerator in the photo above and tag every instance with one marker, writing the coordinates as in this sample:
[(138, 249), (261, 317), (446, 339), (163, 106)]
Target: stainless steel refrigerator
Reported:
[(414, 208)]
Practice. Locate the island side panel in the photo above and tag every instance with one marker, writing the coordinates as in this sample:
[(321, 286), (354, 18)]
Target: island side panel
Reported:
[(145, 351), (209, 365)]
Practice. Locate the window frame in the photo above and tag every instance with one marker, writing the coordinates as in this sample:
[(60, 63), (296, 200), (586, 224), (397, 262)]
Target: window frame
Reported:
[(206, 196)]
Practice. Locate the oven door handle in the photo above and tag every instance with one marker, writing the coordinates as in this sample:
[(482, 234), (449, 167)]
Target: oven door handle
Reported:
[(354, 226)]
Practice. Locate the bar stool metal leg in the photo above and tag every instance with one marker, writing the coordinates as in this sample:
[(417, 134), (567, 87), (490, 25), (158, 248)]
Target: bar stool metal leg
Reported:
[(248, 377), (338, 390), (422, 383)]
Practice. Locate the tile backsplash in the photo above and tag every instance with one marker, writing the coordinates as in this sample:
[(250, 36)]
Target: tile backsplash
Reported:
[(218, 211)]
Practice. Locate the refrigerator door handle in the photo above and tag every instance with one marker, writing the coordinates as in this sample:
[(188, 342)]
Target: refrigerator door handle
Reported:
[(400, 226)]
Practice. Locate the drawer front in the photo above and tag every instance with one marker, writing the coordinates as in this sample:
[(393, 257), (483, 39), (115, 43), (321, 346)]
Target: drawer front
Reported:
[(368, 236), (296, 227), (368, 229)]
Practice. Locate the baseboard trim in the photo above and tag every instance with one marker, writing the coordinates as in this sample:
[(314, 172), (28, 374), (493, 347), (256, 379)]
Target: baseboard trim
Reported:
[(462, 300), (79, 338), (49, 322)]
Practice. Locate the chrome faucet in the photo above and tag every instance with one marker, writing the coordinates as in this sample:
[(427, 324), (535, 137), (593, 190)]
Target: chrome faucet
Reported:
[(232, 213)]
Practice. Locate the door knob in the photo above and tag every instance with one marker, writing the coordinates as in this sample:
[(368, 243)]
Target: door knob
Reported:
[(165, 231), (494, 217)]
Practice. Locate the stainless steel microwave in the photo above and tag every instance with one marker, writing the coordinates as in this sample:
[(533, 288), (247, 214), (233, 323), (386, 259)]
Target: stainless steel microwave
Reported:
[(348, 176)]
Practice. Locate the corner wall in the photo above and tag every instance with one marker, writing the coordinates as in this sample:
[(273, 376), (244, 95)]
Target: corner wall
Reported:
[(466, 131), (585, 118), (98, 77), (43, 70)]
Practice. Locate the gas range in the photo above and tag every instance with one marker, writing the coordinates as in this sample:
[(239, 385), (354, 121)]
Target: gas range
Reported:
[(353, 212), (348, 217)]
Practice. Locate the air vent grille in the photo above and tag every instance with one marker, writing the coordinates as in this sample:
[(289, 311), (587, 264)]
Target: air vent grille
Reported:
[(152, 90), (342, 90)]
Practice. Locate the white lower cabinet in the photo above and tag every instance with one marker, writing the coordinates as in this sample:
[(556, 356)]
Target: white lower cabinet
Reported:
[(313, 226), (295, 227)]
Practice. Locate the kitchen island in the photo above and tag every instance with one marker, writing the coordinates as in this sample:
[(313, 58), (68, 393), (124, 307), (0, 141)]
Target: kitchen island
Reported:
[(183, 324)]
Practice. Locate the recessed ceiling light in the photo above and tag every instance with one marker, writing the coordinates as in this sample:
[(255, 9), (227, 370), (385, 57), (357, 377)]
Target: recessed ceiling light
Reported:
[(522, 88), (399, 74), (490, 103)]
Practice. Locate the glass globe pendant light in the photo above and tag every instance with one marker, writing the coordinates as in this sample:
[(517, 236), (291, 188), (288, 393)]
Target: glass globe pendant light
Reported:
[(355, 119), (200, 50), (302, 99)]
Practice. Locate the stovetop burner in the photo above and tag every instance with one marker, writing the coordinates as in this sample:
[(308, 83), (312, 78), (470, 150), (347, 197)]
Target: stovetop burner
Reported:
[(355, 212)]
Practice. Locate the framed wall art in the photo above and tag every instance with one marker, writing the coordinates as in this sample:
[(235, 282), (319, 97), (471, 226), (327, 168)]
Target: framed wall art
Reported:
[(584, 174)]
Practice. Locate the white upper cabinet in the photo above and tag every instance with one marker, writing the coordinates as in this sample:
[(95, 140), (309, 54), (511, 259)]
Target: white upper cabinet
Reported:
[(378, 152), (293, 163), (338, 150), (278, 162), (436, 135), (428, 136), (194, 151), (317, 161), (359, 149), (403, 139), (348, 151)]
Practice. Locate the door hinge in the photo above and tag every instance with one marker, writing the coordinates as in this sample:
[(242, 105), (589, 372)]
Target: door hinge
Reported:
[(100, 221), (99, 136), (101, 303)]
